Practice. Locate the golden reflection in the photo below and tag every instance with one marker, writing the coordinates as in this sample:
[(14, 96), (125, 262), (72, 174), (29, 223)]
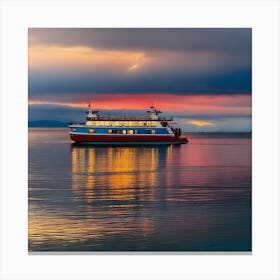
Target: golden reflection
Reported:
[(114, 173), (43, 226), (50, 228)]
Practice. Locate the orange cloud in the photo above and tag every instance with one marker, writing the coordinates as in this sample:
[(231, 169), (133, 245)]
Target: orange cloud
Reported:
[(201, 123), (82, 57)]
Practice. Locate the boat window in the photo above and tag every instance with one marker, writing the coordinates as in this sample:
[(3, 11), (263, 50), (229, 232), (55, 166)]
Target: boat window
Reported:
[(124, 131), (130, 131), (153, 131), (110, 131), (151, 123), (91, 131)]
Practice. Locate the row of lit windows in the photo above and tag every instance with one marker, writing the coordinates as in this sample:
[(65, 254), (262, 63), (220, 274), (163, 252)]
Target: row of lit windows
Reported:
[(124, 131), (122, 123)]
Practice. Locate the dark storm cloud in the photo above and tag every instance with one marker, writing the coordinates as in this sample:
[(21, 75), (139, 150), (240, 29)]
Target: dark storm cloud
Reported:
[(177, 39), (52, 84)]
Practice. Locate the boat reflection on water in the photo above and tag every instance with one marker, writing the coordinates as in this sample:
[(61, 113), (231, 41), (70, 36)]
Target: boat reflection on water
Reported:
[(116, 188), (117, 173)]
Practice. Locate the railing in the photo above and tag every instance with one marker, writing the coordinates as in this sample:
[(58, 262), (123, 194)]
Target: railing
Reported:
[(124, 118)]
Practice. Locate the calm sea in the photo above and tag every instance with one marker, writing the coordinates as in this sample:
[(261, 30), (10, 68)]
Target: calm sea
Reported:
[(193, 197)]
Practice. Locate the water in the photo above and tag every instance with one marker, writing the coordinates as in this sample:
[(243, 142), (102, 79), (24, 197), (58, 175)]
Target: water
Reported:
[(193, 197)]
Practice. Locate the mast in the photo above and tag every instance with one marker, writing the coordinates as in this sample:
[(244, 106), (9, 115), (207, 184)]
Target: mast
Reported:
[(92, 114), (153, 113)]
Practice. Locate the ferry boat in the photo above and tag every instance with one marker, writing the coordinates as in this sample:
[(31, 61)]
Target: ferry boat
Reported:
[(100, 130)]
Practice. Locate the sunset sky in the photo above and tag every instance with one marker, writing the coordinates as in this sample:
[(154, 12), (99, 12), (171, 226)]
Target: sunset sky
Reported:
[(200, 76)]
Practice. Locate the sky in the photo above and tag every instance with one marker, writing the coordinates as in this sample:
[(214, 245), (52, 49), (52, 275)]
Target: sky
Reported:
[(199, 76)]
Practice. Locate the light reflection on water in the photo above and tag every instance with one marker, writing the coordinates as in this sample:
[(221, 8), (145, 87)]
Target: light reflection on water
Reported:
[(114, 172), (194, 197)]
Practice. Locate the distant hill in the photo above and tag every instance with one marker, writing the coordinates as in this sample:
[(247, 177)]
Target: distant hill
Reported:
[(47, 123)]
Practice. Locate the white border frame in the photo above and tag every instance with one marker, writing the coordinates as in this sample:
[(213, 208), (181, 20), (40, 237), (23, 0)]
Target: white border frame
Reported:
[(262, 16)]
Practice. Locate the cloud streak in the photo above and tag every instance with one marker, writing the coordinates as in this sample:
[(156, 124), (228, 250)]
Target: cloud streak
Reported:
[(201, 123)]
